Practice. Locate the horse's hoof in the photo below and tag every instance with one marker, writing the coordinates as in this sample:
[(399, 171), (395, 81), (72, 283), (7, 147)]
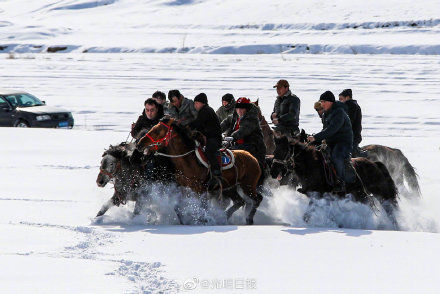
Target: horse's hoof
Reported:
[(306, 217), (302, 191), (249, 221)]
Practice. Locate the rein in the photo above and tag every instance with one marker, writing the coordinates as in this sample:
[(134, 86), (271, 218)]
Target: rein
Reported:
[(173, 156)]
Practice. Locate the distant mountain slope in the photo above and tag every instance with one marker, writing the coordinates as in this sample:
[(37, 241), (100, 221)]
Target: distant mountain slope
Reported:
[(221, 26)]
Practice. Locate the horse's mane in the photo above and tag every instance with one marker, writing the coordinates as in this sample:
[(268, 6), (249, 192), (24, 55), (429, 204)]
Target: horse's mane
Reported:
[(182, 131), (310, 150), (122, 151)]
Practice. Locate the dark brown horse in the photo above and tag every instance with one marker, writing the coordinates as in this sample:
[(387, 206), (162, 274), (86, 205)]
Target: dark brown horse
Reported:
[(372, 179), (174, 140), (394, 160)]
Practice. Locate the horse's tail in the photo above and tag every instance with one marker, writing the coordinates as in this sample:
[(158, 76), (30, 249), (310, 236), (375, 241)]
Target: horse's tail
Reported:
[(410, 175), (391, 192)]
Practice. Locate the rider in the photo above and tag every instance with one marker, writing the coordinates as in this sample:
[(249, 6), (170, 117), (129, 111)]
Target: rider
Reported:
[(161, 98), (243, 127), (181, 108), (208, 124), (151, 115), (355, 114), (285, 115), (227, 108), (339, 138), (319, 109), (155, 167)]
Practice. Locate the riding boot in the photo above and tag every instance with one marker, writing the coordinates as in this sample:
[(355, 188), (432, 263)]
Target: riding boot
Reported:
[(358, 152), (350, 173), (215, 180)]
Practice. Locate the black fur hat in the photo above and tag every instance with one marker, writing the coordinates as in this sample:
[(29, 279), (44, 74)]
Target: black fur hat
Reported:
[(327, 96), (228, 98), (201, 98), (346, 92)]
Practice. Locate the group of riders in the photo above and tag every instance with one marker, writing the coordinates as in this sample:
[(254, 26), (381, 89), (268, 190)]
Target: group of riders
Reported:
[(237, 123)]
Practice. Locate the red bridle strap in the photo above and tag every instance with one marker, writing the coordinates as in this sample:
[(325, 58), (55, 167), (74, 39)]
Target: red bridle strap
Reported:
[(165, 139)]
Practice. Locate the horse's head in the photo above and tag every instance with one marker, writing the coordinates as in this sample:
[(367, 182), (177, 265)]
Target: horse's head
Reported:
[(157, 138), (281, 156), (110, 165)]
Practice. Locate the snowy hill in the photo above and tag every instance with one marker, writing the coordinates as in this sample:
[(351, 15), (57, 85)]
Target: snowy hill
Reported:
[(221, 26)]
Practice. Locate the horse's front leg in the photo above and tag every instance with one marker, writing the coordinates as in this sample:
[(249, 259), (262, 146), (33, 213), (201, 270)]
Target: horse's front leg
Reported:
[(311, 206), (178, 211), (106, 206), (139, 205)]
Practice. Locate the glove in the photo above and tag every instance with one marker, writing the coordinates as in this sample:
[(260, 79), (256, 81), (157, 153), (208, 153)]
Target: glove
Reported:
[(229, 139)]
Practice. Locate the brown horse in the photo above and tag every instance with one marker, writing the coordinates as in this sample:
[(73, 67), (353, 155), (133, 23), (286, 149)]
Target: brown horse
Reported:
[(397, 164), (180, 148), (267, 131)]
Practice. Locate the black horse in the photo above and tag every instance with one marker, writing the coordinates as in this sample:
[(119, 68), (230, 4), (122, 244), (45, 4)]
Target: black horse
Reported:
[(394, 160), (307, 162), (128, 175)]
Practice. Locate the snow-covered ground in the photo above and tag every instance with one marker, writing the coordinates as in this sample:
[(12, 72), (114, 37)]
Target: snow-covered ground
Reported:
[(49, 239)]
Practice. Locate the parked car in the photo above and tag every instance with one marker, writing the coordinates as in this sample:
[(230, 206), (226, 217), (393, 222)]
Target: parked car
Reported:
[(21, 109)]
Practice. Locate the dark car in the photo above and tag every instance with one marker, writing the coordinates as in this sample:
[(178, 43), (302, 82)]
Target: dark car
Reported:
[(21, 109)]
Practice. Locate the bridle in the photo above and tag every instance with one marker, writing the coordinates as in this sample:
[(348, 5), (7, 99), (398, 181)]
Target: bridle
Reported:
[(159, 142), (111, 174), (289, 159)]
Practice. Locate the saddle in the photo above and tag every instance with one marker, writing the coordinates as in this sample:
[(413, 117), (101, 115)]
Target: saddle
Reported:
[(331, 176), (226, 158)]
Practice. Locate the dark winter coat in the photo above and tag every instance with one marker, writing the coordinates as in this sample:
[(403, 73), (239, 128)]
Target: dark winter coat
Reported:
[(207, 123), (287, 109), (144, 123), (186, 113), (224, 111), (355, 114), (249, 131), (337, 126)]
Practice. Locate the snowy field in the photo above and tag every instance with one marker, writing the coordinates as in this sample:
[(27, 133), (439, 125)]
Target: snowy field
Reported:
[(386, 51), (51, 243)]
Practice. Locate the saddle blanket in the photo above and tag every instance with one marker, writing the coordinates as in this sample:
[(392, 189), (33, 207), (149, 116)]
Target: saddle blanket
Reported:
[(227, 158)]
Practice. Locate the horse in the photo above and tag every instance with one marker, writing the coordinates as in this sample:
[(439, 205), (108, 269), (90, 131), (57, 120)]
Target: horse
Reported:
[(169, 136), (395, 161), (126, 176), (267, 131), (397, 164), (372, 178)]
